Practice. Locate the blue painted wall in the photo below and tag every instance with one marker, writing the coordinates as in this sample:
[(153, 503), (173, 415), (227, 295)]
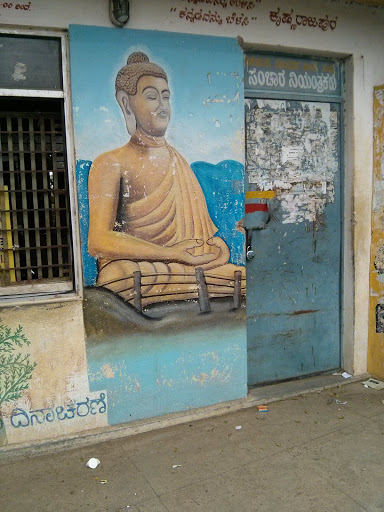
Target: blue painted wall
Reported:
[(152, 371), (147, 376)]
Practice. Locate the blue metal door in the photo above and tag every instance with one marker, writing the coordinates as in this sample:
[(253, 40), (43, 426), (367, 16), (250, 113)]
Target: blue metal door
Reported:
[(293, 221)]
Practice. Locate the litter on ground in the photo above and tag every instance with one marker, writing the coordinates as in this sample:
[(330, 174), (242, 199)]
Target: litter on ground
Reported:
[(374, 384), (262, 408), (93, 463), (343, 374)]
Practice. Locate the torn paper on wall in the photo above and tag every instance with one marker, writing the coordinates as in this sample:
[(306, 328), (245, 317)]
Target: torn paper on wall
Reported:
[(292, 147)]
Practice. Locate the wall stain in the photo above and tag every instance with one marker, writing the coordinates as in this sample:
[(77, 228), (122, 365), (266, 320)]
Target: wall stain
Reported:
[(304, 312)]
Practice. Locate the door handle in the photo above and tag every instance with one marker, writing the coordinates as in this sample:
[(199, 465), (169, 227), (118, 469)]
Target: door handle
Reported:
[(254, 222), (250, 254)]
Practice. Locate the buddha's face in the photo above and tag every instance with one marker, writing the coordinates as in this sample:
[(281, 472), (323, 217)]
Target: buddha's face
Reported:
[(150, 105)]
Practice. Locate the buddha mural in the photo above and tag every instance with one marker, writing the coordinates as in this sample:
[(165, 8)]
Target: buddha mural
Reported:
[(147, 209)]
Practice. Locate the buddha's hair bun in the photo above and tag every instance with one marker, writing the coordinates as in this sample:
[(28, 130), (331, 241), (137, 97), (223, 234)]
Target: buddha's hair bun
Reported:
[(137, 57)]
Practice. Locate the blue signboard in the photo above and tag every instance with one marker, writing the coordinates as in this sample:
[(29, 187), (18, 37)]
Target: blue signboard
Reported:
[(292, 75)]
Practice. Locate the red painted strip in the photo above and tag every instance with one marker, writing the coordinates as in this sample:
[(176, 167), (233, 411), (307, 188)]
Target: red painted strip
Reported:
[(256, 207)]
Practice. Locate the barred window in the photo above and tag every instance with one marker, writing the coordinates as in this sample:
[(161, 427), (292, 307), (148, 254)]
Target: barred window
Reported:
[(35, 228)]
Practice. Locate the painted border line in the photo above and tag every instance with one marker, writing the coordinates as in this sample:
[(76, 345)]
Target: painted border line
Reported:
[(260, 194), (251, 208)]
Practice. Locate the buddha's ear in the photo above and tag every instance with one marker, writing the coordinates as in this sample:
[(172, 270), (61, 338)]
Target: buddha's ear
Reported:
[(122, 98)]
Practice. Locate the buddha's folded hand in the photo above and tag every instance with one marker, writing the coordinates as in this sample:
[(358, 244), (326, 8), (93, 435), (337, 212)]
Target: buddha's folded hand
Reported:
[(182, 252)]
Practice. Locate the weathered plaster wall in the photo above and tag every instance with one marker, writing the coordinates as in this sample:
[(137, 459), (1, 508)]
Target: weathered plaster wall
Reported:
[(376, 313), (358, 36), (59, 380)]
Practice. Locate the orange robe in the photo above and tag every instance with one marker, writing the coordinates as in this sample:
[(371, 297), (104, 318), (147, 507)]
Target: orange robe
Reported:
[(174, 212)]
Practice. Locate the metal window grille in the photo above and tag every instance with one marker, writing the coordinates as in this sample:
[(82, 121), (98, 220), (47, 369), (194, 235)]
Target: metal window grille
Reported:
[(35, 233)]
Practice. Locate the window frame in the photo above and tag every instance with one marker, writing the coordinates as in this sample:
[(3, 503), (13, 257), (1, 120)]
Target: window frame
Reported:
[(50, 291)]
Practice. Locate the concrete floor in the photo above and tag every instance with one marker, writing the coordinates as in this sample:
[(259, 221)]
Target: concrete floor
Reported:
[(306, 454)]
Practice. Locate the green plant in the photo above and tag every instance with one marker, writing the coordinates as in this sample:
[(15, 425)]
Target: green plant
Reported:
[(15, 368)]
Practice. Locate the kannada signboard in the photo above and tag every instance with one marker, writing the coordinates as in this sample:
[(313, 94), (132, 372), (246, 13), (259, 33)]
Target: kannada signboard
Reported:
[(292, 75)]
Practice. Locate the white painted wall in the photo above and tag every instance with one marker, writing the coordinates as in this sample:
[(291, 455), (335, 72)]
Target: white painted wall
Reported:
[(358, 36)]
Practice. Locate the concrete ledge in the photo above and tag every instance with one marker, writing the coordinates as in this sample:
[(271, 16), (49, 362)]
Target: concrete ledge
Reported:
[(256, 396), (284, 390)]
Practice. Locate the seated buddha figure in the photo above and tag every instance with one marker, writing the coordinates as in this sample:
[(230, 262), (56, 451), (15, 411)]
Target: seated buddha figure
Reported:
[(147, 209)]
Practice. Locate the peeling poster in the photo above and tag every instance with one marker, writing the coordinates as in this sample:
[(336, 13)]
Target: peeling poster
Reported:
[(292, 147)]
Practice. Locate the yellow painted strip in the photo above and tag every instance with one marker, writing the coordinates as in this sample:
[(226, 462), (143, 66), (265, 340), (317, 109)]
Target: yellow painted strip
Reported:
[(6, 243), (260, 194)]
